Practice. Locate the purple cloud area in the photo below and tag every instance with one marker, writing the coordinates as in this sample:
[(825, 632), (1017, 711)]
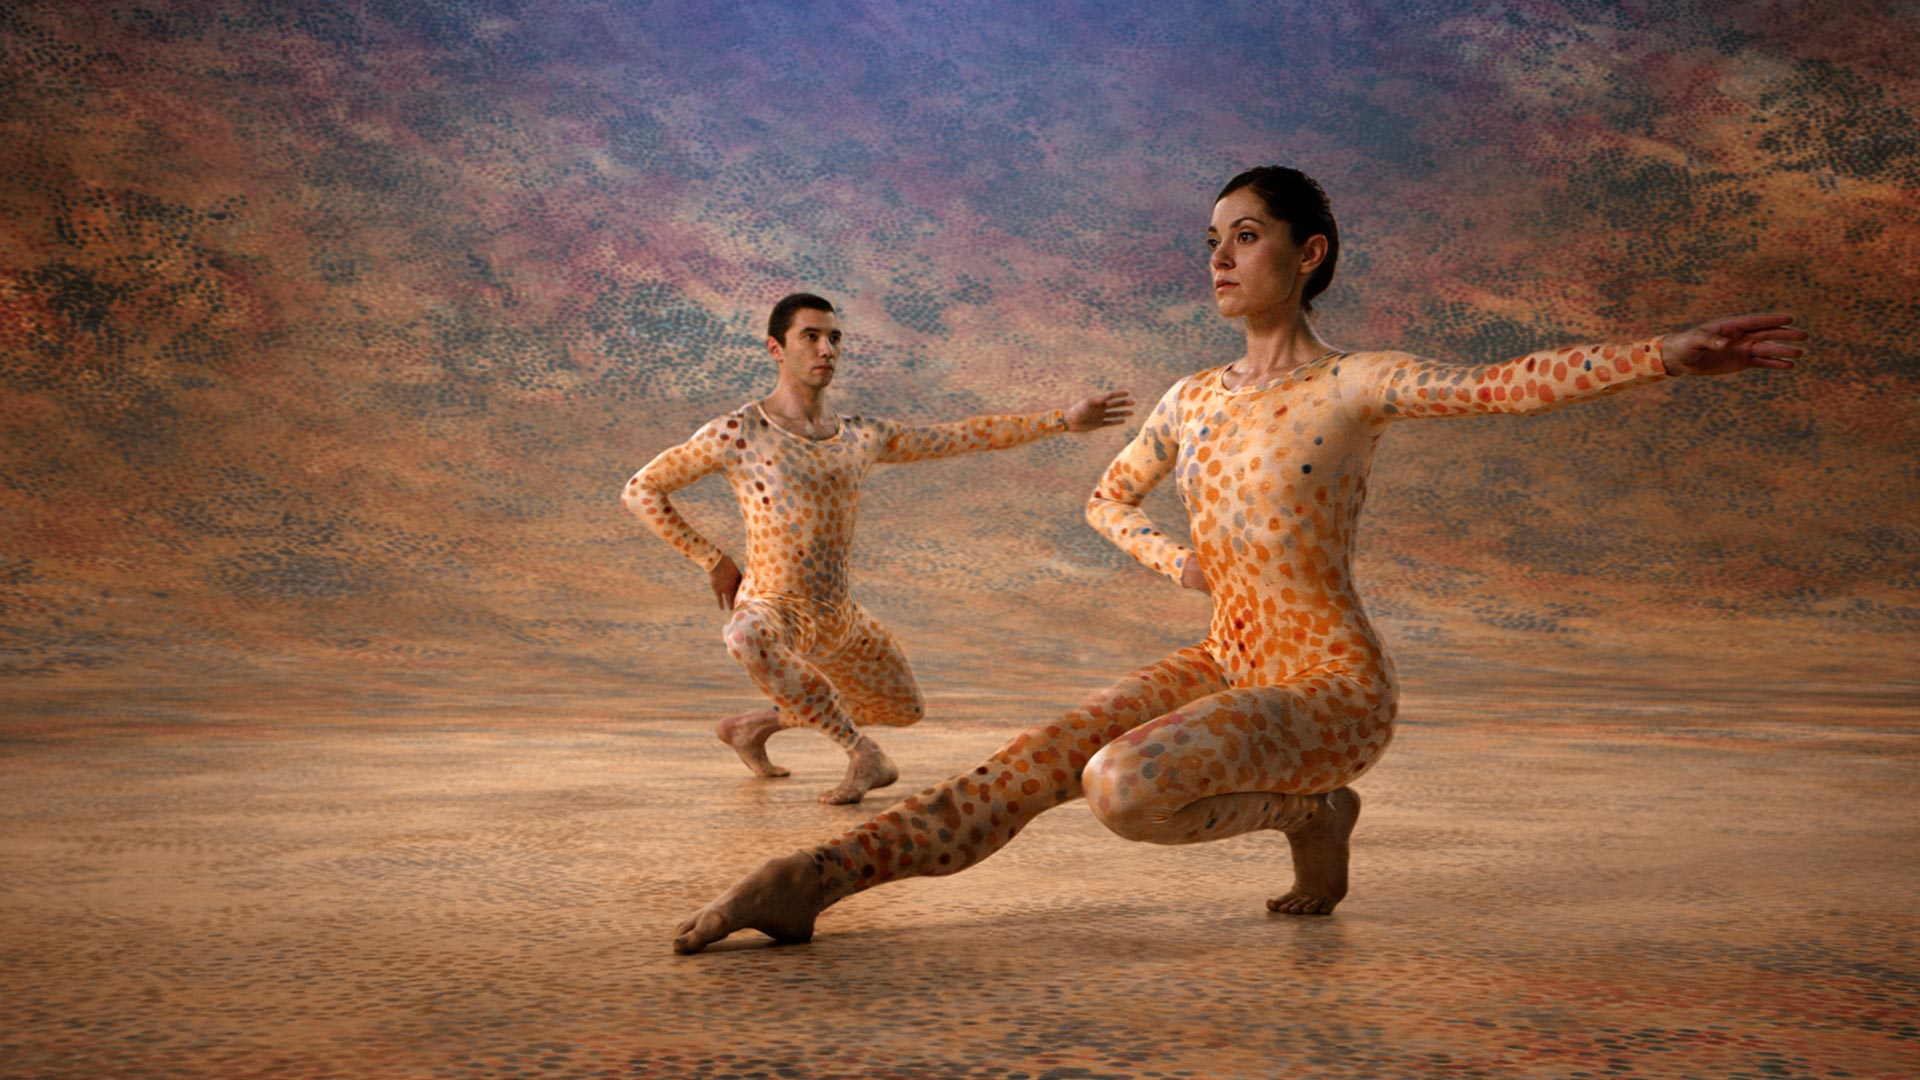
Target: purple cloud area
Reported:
[(330, 331)]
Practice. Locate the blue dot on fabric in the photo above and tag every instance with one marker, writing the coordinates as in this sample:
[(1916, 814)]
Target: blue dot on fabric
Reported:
[(1317, 440), (1306, 468)]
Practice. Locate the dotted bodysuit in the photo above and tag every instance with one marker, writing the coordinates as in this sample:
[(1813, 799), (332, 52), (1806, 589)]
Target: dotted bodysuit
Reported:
[(803, 640), (1290, 694)]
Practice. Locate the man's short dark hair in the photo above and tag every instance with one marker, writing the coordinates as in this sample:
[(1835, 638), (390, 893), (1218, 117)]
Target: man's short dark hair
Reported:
[(783, 312)]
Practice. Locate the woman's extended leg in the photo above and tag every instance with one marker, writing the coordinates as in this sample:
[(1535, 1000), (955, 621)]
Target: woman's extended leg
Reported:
[(955, 824)]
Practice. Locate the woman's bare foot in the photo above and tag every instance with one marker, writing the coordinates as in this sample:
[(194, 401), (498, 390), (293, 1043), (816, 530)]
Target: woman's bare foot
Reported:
[(1320, 857), (748, 734), (780, 899), (868, 767)]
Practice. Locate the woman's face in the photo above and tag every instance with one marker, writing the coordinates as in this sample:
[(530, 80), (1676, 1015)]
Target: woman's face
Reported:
[(1257, 268)]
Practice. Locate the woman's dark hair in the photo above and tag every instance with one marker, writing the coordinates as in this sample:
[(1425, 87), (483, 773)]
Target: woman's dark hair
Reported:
[(1297, 199), (789, 305)]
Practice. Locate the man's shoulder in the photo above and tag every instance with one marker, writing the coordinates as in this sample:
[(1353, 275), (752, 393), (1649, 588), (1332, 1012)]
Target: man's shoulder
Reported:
[(864, 425), (729, 427)]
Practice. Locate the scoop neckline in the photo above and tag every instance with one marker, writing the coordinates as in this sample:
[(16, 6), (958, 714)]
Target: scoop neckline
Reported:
[(1220, 375), (808, 439)]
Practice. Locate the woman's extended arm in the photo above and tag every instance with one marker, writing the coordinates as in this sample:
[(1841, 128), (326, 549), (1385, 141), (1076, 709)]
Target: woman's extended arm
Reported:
[(1403, 386)]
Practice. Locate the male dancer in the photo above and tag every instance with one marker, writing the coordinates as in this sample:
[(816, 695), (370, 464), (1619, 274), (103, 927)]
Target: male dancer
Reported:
[(795, 467)]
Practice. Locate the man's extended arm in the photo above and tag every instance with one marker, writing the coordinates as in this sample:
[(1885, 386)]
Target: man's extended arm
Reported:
[(927, 441)]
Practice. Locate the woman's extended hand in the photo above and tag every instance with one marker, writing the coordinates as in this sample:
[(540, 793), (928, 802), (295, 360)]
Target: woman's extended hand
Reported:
[(1724, 346), (1099, 410)]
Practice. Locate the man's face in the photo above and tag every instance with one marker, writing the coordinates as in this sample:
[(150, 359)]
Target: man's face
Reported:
[(812, 349)]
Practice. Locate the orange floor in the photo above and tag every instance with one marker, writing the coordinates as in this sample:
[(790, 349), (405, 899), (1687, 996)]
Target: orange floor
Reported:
[(1542, 889)]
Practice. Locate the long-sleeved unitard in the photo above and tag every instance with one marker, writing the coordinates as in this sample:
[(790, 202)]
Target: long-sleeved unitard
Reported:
[(1290, 694), (807, 645)]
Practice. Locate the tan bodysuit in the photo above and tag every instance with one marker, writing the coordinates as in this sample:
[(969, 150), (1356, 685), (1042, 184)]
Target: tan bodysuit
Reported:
[(795, 627), (1290, 694)]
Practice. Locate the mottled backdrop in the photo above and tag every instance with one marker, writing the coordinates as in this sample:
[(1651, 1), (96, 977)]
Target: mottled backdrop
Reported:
[(330, 331)]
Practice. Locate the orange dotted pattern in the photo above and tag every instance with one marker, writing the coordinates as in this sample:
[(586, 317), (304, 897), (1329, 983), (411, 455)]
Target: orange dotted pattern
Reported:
[(825, 664), (1291, 693), (796, 630), (799, 496)]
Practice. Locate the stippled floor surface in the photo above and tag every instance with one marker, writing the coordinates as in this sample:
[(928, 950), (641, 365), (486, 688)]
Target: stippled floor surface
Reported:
[(1547, 889)]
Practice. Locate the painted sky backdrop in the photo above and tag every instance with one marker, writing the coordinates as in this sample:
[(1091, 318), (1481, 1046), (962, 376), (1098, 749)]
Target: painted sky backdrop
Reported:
[(329, 332)]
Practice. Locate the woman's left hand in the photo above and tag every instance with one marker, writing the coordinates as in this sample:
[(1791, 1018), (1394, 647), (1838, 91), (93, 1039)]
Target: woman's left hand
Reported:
[(1724, 346)]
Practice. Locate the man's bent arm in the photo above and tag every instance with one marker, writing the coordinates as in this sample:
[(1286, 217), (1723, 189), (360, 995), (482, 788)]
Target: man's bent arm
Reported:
[(709, 451)]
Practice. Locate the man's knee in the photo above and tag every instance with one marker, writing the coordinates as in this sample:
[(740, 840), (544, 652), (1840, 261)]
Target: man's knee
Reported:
[(889, 713), (881, 694), (747, 639), (903, 711)]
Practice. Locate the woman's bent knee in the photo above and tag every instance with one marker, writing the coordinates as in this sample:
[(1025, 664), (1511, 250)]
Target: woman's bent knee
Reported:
[(1120, 791)]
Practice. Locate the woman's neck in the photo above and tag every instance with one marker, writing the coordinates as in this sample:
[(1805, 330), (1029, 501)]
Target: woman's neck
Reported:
[(1278, 344)]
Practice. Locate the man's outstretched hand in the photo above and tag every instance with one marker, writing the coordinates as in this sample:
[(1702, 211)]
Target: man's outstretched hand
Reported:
[(1724, 346), (1100, 410), (725, 579)]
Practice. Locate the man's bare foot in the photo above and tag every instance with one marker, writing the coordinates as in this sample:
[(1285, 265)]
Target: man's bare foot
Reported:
[(780, 899), (748, 734), (868, 767), (1320, 857)]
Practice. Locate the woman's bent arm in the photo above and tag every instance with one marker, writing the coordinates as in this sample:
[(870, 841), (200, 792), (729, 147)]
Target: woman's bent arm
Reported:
[(1114, 507)]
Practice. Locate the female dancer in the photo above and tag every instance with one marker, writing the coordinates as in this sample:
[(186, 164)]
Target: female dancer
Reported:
[(1290, 698)]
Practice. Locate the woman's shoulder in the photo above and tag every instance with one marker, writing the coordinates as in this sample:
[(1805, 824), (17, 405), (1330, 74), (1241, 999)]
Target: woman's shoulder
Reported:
[(1363, 365), (1185, 390), (1360, 359), (1196, 381)]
